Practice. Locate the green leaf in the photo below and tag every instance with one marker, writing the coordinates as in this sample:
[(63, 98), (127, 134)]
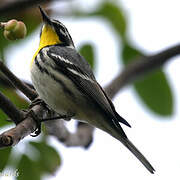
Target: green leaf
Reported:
[(49, 159), (153, 89), (88, 53), (155, 92), (4, 156), (130, 54), (115, 15), (28, 169)]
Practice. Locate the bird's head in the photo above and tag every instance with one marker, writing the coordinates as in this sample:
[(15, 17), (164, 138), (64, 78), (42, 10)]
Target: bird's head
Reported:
[(54, 32)]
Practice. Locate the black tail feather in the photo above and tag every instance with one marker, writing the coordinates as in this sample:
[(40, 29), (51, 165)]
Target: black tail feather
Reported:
[(121, 119), (138, 154), (119, 134)]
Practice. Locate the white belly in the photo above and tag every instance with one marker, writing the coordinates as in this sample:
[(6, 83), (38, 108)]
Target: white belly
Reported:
[(52, 92), (55, 96)]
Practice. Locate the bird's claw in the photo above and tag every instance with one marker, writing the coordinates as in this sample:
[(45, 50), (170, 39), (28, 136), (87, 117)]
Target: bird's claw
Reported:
[(37, 101)]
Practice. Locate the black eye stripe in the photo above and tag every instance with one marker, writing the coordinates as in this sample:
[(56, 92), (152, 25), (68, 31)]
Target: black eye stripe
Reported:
[(62, 32), (59, 26)]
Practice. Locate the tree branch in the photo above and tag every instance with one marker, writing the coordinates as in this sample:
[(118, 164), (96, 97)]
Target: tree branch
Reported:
[(5, 82), (10, 109), (14, 135), (17, 5), (139, 68), (82, 137), (24, 128), (25, 89)]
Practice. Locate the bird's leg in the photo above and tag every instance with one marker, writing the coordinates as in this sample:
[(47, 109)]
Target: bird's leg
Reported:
[(38, 122), (59, 116), (39, 101)]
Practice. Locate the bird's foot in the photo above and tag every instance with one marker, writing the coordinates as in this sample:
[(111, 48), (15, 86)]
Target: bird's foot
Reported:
[(37, 101), (38, 123)]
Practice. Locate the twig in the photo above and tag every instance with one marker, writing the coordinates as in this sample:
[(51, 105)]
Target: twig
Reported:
[(82, 137), (24, 128), (17, 5), (10, 109), (30, 93), (5, 82), (14, 135), (139, 68)]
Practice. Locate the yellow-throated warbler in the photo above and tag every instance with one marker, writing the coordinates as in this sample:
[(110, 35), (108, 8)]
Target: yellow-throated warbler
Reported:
[(65, 81)]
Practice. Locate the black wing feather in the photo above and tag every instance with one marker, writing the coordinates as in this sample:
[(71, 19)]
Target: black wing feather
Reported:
[(91, 90)]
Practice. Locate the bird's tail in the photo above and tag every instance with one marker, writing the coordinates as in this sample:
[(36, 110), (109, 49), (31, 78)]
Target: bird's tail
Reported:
[(137, 153), (124, 140), (120, 135)]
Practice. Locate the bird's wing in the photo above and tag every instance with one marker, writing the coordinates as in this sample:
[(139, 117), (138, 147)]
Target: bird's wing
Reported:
[(84, 80)]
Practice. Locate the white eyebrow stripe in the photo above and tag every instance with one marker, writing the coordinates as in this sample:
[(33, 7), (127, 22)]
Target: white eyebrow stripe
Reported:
[(80, 75)]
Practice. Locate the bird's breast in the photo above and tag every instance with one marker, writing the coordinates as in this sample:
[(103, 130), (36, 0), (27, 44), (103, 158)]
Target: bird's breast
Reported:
[(57, 90)]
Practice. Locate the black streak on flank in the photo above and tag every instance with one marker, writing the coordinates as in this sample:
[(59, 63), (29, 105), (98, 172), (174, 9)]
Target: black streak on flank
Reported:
[(44, 70)]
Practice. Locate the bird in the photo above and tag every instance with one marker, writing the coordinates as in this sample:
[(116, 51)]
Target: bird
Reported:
[(64, 80)]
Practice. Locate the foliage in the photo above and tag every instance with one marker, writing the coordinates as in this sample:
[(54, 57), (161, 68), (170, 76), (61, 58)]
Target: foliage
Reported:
[(88, 53), (47, 161), (153, 88)]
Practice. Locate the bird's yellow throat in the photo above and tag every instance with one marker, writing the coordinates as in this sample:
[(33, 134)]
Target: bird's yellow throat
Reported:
[(48, 37)]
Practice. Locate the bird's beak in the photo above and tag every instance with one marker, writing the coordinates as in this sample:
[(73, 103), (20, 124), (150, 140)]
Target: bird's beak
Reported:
[(45, 17)]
